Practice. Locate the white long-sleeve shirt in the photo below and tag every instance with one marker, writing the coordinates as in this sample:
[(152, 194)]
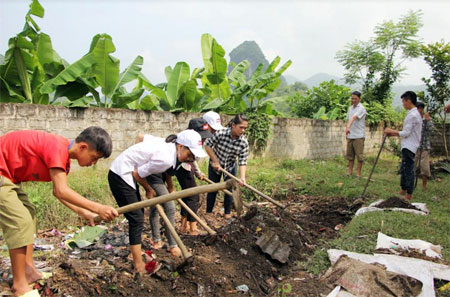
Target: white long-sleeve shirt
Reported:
[(412, 129), (149, 157)]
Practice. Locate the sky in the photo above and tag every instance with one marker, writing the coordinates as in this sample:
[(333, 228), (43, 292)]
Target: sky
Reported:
[(165, 32)]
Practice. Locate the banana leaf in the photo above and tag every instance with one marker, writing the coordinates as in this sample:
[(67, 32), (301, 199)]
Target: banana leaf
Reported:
[(190, 92), (273, 64), (69, 74), (178, 78), (7, 94), (106, 67), (122, 100), (72, 90), (130, 73), (22, 72), (149, 102)]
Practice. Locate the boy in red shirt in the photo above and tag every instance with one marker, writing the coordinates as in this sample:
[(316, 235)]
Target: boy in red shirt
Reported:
[(30, 155)]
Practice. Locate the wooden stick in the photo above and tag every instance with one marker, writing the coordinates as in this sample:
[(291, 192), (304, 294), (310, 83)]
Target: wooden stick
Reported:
[(373, 167), (174, 233), (196, 217), (253, 189), (174, 196)]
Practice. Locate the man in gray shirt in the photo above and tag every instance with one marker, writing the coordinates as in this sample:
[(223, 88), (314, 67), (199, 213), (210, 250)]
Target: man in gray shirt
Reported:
[(355, 133)]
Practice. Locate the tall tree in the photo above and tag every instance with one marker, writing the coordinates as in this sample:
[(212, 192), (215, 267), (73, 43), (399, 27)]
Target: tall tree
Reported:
[(437, 56), (377, 63)]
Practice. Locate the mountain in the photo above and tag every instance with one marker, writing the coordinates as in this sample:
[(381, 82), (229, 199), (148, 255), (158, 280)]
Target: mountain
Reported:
[(250, 51), (318, 78), (290, 79), (398, 90)]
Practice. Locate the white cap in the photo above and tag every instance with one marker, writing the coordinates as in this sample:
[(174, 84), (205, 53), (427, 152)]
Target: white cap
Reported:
[(213, 120), (192, 140)]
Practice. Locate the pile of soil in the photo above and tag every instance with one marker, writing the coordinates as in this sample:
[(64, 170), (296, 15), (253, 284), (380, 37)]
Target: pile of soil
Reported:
[(396, 202), (218, 266)]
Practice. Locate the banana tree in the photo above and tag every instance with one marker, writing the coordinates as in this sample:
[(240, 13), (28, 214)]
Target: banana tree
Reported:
[(215, 75), (97, 69), (250, 95), (29, 60), (180, 93)]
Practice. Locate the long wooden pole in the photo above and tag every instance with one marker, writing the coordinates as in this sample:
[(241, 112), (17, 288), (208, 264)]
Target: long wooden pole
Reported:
[(197, 218), (253, 189), (373, 167), (175, 196), (174, 233)]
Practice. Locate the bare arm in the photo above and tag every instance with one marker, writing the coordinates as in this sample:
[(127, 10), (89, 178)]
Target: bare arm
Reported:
[(77, 203), (214, 161), (391, 132), (349, 124), (169, 182), (150, 193), (242, 170)]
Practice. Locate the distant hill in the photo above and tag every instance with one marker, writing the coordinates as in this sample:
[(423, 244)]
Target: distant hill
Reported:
[(290, 79), (318, 78), (398, 90), (250, 51)]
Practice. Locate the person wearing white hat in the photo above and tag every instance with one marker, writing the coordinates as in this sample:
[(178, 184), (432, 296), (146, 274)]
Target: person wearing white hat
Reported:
[(137, 162), (214, 121)]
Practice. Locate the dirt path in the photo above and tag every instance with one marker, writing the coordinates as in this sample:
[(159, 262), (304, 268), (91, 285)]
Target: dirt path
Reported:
[(218, 267)]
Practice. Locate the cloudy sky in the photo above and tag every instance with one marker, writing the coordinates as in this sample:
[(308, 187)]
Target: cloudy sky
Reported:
[(165, 32)]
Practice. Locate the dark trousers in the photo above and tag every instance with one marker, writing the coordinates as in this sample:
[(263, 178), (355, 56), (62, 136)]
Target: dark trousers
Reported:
[(124, 195), (186, 180), (211, 198), (407, 171)]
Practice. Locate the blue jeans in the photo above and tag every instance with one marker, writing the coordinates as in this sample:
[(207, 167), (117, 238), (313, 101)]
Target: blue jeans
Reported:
[(407, 171), (211, 198)]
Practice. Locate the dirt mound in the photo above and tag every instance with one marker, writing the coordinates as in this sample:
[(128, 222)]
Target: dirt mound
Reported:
[(218, 267), (396, 202)]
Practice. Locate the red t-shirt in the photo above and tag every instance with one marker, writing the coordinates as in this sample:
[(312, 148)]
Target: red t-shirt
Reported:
[(28, 155)]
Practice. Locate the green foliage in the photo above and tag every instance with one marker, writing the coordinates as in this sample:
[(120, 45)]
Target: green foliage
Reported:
[(437, 56), (375, 64), (327, 96), (284, 289), (32, 72), (258, 131)]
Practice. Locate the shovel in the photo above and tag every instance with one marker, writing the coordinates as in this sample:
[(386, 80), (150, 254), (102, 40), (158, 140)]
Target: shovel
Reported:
[(252, 188), (373, 167)]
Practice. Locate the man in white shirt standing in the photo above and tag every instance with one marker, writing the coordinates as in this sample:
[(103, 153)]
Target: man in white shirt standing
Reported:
[(355, 133), (410, 142)]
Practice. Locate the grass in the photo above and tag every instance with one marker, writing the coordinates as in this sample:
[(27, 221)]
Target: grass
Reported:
[(279, 178), (91, 183), (327, 178)]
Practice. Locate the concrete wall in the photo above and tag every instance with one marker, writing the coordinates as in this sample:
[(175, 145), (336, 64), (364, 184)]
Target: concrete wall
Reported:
[(292, 138), (315, 139)]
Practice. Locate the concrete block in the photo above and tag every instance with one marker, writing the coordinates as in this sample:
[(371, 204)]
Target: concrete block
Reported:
[(26, 110), (7, 110)]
